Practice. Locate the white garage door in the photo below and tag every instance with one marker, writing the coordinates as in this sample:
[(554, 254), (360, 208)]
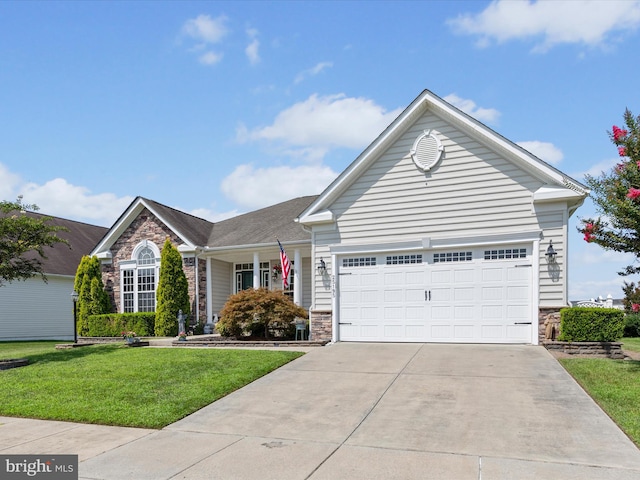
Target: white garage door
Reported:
[(478, 295)]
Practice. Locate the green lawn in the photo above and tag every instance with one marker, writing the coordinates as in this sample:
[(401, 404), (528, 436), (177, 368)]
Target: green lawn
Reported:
[(116, 385), (614, 385), (631, 343)]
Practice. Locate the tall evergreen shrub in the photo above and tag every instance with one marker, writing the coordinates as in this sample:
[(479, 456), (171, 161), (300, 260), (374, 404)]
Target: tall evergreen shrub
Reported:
[(172, 294), (92, 298)]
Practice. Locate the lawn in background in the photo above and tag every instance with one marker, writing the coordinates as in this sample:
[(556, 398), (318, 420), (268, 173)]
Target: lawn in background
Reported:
[(631, 343), (118, 385)]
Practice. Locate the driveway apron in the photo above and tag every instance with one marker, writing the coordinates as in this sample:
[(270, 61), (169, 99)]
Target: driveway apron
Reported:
[(390, 411)]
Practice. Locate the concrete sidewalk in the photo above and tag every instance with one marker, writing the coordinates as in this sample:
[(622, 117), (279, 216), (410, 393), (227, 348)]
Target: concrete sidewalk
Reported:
[(368, 411)]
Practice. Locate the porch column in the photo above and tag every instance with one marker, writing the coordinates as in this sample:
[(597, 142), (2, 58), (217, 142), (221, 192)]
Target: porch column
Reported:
[(256, 270), (208, 292), (297, 277)]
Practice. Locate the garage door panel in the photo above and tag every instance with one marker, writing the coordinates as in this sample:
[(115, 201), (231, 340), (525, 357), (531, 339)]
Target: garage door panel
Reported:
[(393, 295), (491, 294), (463, 332), (472, 299), (441, 332)]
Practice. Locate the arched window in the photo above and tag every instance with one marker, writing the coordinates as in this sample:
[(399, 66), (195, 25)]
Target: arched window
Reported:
[(139, 278)]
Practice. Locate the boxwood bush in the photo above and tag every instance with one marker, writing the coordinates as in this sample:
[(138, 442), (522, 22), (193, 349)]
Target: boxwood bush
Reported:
[(632, 325), (113, 324), (591, 324)]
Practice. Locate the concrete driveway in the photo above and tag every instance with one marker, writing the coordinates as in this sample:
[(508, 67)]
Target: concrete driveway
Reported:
[(388, 411)]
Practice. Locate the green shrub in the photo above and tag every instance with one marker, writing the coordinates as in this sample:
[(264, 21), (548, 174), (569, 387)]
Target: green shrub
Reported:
[(259, 312), (113, 324), (591, 324), (632, 325)]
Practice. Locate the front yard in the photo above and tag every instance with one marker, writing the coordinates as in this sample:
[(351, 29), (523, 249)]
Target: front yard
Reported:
[(117, 385), (614, 385)]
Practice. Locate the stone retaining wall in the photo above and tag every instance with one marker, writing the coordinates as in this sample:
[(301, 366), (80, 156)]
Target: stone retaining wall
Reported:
[(591, 349)]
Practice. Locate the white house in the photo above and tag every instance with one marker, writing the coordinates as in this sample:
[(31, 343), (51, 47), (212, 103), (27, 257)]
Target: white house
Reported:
[(37, 310)]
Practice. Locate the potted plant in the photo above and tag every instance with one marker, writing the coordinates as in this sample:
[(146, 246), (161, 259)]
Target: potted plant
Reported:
[(130, 337), (182, 336)]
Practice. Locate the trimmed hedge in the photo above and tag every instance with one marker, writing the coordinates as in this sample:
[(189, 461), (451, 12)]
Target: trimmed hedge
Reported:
[(591, 324), (113, 324)]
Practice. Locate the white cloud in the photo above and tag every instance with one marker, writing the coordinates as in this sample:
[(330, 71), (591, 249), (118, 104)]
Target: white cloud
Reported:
[(59, 198), (9, 183), (311, 127), (205, 29), (312, 72), (544, 150), (210, 58), (550, 23), (603, 166), (252, 49), (254, 188), (487, 115)]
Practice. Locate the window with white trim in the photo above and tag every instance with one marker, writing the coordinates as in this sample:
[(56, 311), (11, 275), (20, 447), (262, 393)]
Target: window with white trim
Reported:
[(139, 278), (404, 259), (359, 262), (505, 253), (452, 257)]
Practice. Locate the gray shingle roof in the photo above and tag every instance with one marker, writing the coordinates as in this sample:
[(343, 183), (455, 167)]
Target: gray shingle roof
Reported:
[(82, 237), (195, 229), (263, 226)]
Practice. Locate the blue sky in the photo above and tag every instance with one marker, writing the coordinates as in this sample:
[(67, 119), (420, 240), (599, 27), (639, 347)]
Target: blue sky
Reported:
[(218, 108)]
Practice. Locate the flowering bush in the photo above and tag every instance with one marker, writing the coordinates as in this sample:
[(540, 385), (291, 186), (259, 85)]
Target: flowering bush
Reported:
[(616, 195), (182, 335), (129, 334)]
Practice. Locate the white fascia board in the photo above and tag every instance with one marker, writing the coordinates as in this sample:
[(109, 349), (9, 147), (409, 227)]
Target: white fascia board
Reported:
[(437, 243), (185, 249), (550, 193), (118, 228), (325, 216)]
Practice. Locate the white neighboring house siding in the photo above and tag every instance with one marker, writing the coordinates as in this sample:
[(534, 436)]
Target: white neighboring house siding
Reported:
[(35, 310), (473, 191)]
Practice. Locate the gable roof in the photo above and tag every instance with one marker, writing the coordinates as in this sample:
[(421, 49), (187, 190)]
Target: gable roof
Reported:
[(263, 226), (192, 230), (557, 184), (62, 259)]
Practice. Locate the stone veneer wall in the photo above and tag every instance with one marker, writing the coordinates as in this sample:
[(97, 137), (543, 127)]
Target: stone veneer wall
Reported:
[(146, 226), (551, 314), (320, 325)]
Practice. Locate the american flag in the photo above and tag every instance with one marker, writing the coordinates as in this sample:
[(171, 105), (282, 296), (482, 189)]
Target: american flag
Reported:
[(286, 266)]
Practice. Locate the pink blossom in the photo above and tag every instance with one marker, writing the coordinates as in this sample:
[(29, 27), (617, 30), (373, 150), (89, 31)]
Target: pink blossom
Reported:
[(633, 193), (619, 133), (638, 163), (589, 237), (622, 151), (620, 167), (635, 307)]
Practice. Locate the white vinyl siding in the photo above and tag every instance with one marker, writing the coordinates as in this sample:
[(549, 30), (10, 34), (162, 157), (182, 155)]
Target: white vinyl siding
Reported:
[(35, 310), (220, 284), (473, 191)]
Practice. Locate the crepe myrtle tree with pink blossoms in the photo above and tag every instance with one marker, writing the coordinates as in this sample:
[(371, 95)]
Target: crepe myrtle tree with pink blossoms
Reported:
[(616, 195)]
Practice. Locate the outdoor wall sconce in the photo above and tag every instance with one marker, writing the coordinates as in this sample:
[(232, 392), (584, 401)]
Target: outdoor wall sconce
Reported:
[(551, 253), (322, 267)]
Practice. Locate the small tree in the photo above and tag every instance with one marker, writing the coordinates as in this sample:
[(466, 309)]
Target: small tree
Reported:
[(258, 311), (616, 195), (92, 298), (172, 294), (22, 241)]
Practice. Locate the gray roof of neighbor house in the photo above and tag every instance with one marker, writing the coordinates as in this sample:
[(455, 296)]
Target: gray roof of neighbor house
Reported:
[(263, 226), (82, 237), (195, 229)]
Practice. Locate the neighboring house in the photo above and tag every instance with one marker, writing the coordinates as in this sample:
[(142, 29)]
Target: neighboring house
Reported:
[(609, 302), (438, 232), (37, 310)]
